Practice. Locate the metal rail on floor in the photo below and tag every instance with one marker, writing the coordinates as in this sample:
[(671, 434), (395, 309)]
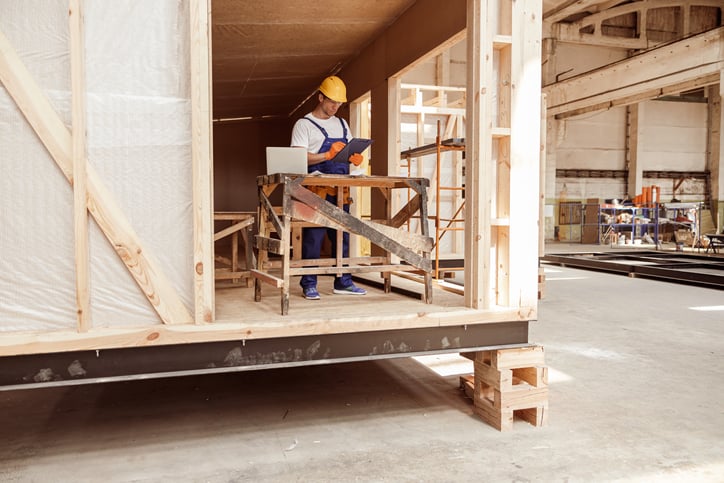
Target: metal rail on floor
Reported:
[(700, 270)]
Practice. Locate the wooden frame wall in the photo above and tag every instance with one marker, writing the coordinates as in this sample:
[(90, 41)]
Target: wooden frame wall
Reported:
[(501, 249), (58, 140), (67, 150), (202, 160)]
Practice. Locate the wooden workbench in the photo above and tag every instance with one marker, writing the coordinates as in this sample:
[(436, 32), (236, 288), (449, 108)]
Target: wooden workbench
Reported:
[(299, 204)]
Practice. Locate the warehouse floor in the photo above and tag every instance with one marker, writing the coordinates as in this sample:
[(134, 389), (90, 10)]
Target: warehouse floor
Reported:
[(636, 371)]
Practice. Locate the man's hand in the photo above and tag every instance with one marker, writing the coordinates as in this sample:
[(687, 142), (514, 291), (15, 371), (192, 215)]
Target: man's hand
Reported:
[(336, 147), (356, 159)]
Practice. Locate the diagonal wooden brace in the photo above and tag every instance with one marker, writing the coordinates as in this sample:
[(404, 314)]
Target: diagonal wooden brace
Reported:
[(320, 212)]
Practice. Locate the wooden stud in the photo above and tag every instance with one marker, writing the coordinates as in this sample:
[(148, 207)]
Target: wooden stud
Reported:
[(525, 152), (479, 172), (80, 178), (202, 160)]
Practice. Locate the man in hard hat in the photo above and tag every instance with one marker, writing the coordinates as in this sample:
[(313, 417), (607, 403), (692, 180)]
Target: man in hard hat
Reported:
[(323, 135)]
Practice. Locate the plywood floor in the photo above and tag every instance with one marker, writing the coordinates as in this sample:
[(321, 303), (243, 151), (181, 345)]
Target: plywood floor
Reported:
[(234, 302)]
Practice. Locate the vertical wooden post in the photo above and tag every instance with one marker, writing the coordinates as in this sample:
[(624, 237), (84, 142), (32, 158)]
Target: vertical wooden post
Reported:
[(80, 185), (202, 160), (502, 45), (385, 151), (479, 172), (525, 151)]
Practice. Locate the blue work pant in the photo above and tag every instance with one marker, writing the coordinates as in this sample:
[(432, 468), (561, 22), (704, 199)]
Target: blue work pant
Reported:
[(312, 239)]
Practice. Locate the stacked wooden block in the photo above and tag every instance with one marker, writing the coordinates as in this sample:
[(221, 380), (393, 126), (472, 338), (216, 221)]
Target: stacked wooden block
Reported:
[(509, 382)]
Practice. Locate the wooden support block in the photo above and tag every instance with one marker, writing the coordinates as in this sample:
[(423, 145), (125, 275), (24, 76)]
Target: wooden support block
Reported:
[(509, 382), (467, 384), (535, 376), (537, 416), (500, 420), (513, 358), (499, 380)]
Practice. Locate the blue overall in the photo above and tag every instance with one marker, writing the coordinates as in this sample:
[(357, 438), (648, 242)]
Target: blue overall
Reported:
[(312, 238)]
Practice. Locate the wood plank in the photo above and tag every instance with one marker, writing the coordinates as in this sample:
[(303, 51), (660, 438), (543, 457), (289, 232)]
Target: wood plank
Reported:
[(354, 269), (270, 213), (57, 139), (479, 171), (525, 154), (232, 275), (36, 342), (273, 245), (321, 262), (638, 93), (202, 159), (268, 279), (517, 358), (80, 179), (233, 228), (568, 8), (233, 215)]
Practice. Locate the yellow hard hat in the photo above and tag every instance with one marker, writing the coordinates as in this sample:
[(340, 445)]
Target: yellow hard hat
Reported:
[(334, 88)]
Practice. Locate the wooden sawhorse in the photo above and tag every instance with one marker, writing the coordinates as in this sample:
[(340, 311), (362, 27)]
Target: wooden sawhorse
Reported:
[(300, 204), (241, 223)]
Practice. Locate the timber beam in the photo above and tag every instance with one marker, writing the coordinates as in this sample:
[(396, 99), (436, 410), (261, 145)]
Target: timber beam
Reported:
[(683, 65), (589, 30)]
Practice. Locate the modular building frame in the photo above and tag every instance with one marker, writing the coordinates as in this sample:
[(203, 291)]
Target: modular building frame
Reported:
[(122, 131)]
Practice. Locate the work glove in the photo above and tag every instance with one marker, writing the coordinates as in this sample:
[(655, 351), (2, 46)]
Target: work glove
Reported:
[(336, 147), (356, 159)]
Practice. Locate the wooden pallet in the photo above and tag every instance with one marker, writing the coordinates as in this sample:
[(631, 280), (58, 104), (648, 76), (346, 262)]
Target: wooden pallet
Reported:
[(508, 383)]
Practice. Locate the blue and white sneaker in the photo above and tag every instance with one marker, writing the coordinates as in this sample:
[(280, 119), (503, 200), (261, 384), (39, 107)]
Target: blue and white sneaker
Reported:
[(310, 293), (351, 290)]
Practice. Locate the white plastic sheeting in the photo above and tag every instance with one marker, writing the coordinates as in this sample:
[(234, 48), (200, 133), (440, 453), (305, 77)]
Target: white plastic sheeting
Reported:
[(139, 118)]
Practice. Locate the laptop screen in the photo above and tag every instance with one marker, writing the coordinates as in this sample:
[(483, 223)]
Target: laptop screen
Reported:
[(286, 160)]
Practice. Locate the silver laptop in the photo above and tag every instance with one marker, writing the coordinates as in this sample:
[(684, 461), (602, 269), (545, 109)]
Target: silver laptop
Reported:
[(286, 160)]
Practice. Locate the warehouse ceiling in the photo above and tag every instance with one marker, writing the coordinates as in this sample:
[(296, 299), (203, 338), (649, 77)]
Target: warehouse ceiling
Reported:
[(269, 57)]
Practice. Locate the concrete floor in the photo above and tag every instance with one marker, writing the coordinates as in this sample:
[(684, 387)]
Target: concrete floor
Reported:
[(636, 391)]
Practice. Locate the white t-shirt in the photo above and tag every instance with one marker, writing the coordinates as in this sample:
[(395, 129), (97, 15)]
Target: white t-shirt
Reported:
[(307, 135)]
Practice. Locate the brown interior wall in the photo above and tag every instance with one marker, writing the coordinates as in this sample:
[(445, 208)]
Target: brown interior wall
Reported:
[(240, 156), (419, 30)]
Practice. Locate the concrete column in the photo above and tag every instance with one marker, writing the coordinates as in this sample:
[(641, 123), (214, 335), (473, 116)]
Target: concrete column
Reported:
[(548, 166), (635, 114), (716, 154)]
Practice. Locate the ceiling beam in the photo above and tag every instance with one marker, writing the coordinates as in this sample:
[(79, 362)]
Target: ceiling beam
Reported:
[(576, 6), (694, 59), (573, 32)]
